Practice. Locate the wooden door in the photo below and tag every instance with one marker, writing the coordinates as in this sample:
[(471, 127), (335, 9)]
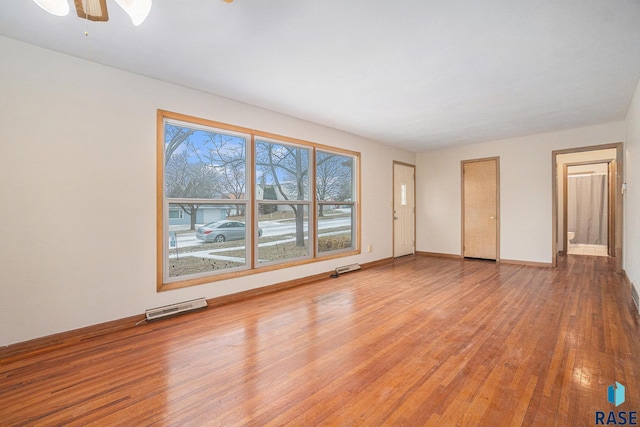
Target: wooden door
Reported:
[(403, 209), (480, 208), (611, 200)]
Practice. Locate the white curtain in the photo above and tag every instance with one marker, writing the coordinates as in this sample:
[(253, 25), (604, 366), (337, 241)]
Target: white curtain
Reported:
[(587, 211)]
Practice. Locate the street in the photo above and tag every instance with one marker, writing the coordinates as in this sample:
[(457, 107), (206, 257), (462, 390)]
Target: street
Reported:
[(270, 229)]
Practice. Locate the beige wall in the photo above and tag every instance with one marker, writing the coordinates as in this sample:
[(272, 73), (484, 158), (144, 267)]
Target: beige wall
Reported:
[(77, 174), (525, 191), (631, 198)]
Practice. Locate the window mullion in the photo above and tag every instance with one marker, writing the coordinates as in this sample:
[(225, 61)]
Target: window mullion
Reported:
[(255, 215)]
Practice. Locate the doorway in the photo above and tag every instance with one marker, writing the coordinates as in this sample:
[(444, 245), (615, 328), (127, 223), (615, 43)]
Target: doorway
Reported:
[(611, 154), (403, 209), (480, 208), (587, 204)]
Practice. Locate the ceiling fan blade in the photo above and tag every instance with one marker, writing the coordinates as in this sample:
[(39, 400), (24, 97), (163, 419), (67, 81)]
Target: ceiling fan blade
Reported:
[(93, 10), (54, 7), (138, 10)]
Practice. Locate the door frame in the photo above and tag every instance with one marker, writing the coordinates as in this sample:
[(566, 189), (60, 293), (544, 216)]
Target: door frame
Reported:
[(393, 201), (462, 163), (565, 202), (618, 176)]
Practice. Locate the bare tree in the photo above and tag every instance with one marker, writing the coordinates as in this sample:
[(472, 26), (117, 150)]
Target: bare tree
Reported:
[(333, 178), (288, 167), (187, 179), (174, 136), (202, 164), (228, 156)]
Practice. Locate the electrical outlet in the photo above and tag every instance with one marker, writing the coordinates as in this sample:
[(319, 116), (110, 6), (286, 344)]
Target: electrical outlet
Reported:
[(369, 248)]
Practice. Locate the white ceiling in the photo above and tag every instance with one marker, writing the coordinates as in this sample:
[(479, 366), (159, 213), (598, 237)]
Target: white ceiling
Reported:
[(419, 74)]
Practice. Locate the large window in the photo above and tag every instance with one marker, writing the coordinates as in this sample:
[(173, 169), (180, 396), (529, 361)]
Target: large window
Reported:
[(336, 205), (233, 200), (282, 194)]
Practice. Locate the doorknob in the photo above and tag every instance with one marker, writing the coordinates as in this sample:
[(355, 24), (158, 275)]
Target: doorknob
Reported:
[(493, 217)]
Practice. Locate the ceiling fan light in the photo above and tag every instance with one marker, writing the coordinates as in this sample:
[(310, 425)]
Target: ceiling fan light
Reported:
[(93, 10), (138, 10), (54, 7)]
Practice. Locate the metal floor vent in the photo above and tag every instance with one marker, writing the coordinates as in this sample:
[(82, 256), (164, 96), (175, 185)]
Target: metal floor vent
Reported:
[(634, 296), (346, 269), (173, 309)]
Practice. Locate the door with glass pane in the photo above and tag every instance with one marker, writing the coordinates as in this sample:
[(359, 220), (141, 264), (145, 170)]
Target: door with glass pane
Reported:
[(403, 209)]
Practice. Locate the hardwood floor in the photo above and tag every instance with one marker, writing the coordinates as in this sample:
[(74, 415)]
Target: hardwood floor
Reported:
[(423, 341)]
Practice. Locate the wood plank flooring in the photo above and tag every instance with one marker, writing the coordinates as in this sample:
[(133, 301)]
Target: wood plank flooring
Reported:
[(422, 341)]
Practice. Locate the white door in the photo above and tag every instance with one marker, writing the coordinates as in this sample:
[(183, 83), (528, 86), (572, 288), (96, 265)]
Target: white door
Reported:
[(403, 209)]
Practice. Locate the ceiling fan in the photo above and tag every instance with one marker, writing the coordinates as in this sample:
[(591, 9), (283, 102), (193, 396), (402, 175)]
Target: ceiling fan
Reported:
[(96, 10)]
